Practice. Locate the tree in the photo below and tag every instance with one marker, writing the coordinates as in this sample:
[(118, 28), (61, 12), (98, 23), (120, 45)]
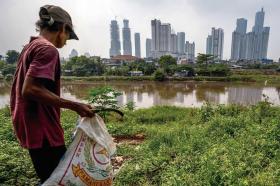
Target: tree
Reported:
[(9, 69), (159, 75), (204, 59), (12, 56), (2, 65), (84, 66), (166, 62)]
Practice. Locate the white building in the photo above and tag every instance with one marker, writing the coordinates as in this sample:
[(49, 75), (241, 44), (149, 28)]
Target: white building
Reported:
[(190, 51), (181, 42), (174, 44), (215, 43), (238, 45), (127, 49), (165, 37), (161, 38)]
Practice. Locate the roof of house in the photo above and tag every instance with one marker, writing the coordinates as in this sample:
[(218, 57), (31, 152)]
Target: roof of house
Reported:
[(125, 58)]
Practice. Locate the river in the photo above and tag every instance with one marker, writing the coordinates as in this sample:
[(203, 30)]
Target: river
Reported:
[(185, 94)]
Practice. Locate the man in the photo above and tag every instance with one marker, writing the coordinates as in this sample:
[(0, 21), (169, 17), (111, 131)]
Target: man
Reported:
[(35, 95)]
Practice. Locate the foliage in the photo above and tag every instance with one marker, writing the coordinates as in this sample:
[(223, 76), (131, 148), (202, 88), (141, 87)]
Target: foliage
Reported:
[(230, 146), (190, 69), (2, 64), (83, 66), (9, 69), (130, 106), (159, 75), (104, 97), (167, 63), (204, 59), (118, 71), (141, 65), (12, 56), (218, 70)]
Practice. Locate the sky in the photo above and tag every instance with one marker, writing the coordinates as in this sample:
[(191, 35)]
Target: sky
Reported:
[(91, 19)]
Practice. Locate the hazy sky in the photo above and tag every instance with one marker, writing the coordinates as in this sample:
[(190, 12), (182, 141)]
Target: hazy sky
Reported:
[(92, 18)]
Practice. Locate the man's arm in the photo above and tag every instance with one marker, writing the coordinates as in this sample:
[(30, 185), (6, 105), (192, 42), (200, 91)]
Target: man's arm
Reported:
[(34, 89)]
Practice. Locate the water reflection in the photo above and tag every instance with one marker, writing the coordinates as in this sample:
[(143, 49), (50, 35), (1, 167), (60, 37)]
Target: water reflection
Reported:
[(187, 94)]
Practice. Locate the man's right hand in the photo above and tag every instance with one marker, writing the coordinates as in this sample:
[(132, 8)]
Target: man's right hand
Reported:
[(84, 110)]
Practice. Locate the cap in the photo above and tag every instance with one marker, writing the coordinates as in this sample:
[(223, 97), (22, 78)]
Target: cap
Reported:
[(55, 13)]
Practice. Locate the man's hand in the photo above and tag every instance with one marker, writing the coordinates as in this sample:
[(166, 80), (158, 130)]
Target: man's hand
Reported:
[(84, 110)]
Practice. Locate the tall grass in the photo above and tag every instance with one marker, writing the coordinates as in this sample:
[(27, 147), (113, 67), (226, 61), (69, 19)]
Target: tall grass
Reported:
[(211, 145)]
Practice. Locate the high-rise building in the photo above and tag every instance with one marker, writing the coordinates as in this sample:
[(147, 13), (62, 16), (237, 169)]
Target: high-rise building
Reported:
[(155, 34), (181, 42), (74, 53), (190, 51), (148, 48), (137, 45), (115, 39), (256, 42), (127, 50), (161, 38), (238, 44), (215, 43), (165, 37), (209, 44), (174, 44)]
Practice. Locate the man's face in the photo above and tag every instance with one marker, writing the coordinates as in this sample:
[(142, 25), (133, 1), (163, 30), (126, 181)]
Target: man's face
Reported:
[(62, 37)]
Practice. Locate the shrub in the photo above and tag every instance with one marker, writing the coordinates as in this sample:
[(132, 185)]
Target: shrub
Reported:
[(159, 75)]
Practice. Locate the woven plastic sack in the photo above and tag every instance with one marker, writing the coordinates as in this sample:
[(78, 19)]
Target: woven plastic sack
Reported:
[(88, 159)]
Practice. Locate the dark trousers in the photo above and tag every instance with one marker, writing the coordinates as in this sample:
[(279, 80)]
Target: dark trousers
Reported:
[(46, 159)]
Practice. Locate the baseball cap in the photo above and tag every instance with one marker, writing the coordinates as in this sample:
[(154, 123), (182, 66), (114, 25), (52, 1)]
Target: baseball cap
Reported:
[(53, 13)]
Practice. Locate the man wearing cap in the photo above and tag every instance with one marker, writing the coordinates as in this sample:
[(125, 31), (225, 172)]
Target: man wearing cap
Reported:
[(35, 95)]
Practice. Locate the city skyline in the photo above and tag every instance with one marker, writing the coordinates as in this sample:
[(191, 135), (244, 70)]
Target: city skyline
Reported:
[(252, 45), (195, 18)]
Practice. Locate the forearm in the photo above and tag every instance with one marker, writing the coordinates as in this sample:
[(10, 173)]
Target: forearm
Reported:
[(47, 97)]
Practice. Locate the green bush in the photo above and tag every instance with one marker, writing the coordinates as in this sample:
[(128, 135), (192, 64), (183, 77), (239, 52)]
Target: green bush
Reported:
[(159, 75)]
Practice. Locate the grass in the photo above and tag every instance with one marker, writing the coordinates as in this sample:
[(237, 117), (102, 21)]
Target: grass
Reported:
[(221, 145)]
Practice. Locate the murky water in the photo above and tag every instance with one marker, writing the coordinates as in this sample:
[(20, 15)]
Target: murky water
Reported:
[(186, 94)]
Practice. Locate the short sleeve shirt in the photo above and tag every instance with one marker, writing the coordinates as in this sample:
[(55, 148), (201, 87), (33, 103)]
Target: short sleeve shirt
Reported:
[(33, 121)]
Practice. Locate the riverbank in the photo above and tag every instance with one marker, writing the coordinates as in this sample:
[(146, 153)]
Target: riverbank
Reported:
[(259, 78), (223, 145)]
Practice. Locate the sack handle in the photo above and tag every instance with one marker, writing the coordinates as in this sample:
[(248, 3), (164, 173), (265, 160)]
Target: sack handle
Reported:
[(109, 110)]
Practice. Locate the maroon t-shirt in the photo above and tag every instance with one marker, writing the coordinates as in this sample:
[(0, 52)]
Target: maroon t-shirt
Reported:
[(34, 121)]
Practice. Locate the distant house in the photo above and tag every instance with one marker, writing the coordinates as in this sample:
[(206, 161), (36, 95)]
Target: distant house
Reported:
[(124, 58), (135, 73), (235, 67), (119, 60), (183, 73)]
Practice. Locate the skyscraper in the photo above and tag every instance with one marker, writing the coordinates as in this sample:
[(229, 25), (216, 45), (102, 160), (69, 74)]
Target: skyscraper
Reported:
[(74, 53), (161, 38), (238, 44), (190, 51), (115, 39), (127, 50), (257, 40), (215, 43), (148, 48), (155, 34), (174, 44), (137, 45), (181, 42), (165, 37)]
